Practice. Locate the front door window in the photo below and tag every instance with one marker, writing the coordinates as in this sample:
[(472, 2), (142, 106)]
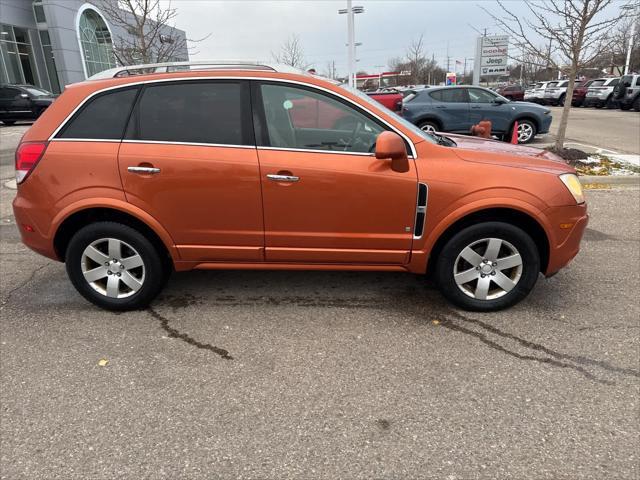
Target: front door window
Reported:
[(298, 118)]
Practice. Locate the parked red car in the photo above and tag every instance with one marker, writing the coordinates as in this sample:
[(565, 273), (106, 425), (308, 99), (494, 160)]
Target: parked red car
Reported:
[(391, 100), (579, 93), (512, 92)]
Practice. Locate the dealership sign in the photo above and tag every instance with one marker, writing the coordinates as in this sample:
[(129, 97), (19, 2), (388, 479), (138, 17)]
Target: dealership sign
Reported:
[(492, 54)]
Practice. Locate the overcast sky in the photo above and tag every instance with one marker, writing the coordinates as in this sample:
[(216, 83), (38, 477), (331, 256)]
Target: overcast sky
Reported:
[(252, 29)]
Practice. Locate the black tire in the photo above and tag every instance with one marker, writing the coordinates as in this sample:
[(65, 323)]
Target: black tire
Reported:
[(429, 123), (561, 100), (610, 103), (155, 271), (444, 271), (636, 104), (625, 107), (534, 130), (8, 123)]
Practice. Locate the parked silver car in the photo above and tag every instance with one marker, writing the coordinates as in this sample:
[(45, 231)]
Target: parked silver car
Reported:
[(627, 92), (536, 94), (600, 93), (556, 92)]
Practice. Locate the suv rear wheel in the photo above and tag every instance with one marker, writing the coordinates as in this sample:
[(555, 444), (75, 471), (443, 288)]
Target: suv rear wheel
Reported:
[(488, 266), (114, 266), (636, 104)]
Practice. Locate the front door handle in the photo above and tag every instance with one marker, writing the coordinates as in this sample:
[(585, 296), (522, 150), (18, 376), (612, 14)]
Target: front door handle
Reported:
[(282, 178), (147, 170)]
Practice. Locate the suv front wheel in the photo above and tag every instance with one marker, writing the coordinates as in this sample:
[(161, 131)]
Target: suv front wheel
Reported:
[(114, 266), (488, 266)]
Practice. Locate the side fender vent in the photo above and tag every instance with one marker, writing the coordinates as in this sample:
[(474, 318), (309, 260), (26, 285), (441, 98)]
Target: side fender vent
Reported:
[(421, 210)]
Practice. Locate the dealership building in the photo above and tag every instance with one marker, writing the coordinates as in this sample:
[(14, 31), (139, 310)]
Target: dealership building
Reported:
[(52, 43)]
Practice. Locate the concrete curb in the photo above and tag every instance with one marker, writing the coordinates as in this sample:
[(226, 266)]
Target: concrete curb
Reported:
[(610, 179)]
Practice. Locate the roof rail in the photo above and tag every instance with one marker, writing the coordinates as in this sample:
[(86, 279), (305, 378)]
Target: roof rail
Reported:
[(168, 67)]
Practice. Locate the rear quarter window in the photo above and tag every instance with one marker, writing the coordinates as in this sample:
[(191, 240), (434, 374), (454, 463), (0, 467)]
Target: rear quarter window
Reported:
[(103, 117)]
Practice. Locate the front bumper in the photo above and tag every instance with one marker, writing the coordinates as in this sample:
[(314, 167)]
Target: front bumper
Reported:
[(568, 226), (545, 123)]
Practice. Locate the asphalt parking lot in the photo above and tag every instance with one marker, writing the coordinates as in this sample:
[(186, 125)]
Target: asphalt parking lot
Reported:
[(325, 374), (613, 129)]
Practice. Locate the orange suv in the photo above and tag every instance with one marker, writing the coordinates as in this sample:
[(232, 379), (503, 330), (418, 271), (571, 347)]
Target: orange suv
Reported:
[(143, 170)]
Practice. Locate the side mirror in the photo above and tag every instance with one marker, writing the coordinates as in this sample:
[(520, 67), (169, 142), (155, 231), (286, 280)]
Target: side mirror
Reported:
[(24, 95), (499, 101), (389, 145)]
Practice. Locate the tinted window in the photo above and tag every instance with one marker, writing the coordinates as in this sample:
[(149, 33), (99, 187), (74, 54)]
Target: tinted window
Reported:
[(638, 81), (9, 93), (613, 82), (597, 83), (102, 117), (626, 80), (301, 118), (480, 96), (193, 112), (450, 95)]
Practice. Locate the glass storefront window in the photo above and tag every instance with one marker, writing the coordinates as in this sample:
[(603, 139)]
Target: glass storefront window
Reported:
[(50, 61), (97, 47)]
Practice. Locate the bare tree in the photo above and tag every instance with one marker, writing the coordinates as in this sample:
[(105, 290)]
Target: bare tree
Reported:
[(149, 24), (575, 28), (416, 59), (291, 53)]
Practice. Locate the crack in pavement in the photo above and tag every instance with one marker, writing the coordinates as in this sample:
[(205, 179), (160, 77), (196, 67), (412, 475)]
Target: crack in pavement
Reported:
[(578, 359), (174, 333), (25, 283)]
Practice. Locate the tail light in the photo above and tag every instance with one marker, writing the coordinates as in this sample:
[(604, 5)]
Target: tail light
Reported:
[(27, 157)]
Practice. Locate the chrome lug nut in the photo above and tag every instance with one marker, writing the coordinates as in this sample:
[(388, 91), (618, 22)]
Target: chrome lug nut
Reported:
[(109, 272)]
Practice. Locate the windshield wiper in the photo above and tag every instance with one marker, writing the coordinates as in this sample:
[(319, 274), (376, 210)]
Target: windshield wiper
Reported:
[(442, 140)]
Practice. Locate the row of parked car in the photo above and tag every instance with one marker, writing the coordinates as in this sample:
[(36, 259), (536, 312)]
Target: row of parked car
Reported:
[(610, 92)]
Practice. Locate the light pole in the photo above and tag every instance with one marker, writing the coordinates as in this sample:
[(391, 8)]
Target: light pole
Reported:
[(351, 50), (633, 32)]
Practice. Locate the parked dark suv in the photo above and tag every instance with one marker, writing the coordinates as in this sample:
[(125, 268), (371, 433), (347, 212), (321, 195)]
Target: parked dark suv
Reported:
[(627, 92), (456, 109), (23, 102)]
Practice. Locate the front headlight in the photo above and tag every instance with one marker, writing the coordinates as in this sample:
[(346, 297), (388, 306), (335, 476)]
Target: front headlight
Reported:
[(574, 186)]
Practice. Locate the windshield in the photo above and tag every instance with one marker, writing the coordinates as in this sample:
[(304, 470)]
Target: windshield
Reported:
[(552, 84), (405, 123), (36, 92)]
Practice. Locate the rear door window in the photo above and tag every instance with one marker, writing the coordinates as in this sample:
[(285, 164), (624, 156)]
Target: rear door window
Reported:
[(103, 117), (451, 95), (211, 112)]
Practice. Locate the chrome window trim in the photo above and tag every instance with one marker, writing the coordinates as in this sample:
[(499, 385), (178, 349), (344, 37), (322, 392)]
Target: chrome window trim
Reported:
[(194, 144), (109, 140), (311, 150), (238, 77)]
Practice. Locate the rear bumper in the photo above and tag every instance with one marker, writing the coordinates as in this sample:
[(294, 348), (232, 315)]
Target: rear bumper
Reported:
[(567, 240), (36, 240)]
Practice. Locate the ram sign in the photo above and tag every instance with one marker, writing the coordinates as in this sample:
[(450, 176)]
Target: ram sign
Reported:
[(492, 55)]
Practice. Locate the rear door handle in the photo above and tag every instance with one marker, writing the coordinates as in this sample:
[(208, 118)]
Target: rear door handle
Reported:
[(148, 170), (282, 178)]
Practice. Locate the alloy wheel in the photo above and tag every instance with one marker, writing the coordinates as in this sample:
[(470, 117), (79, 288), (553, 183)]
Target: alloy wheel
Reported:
[(428, 128), (487, 269), (113, 268), (525, 132)]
